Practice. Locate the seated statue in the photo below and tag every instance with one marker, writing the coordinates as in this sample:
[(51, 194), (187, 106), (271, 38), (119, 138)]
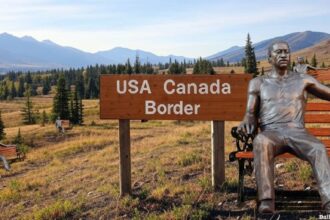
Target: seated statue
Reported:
[(276, 104)]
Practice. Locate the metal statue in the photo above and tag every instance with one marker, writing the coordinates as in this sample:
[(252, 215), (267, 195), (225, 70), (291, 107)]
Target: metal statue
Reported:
[(301, 67), (276, 104), (5, 163)]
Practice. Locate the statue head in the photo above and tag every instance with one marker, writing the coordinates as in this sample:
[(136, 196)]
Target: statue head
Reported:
[(300, 60), (279, 54)]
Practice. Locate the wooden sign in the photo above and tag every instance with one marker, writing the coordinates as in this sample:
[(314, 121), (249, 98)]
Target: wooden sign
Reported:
[(174, 97)]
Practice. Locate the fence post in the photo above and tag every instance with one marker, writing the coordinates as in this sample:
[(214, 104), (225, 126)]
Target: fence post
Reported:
[(218, 153), (124, 157)]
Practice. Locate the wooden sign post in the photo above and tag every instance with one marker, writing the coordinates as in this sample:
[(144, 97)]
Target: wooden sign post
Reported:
[(215, 98)]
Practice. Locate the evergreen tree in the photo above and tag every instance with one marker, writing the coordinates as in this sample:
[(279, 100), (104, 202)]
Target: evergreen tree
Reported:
[(174, 68), (128, 67), (80, 85), (21, 89), (92, 90), (46, 86), (74, 107), (323, 65), (27, 111), (314, 61), (5, 93), (2, 128), (80, 112), (13, 92), (137, 65), (149, 69), (28, 78), (44, 118), (203, 67), (306, 61), (61, 99), (250, 58), (18, 139)]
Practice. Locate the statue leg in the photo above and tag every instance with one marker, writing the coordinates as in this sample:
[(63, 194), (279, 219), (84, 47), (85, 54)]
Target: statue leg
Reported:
[(309, 148), (266, 146)]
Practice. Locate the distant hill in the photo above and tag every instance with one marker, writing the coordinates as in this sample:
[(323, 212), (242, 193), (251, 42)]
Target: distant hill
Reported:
[(120, 55), (297, 41), (26, 53), (321, 51)]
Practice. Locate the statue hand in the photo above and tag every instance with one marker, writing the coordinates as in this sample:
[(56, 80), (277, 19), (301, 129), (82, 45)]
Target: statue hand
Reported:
[(248, 126)]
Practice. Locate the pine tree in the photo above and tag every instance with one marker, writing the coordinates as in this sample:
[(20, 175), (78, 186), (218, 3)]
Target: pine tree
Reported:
[(306, 61), (46, 86), (250, 58), (323, 65), (128, 67), (61, 99), (27, 111), (2, 128), (80, 85), (137, 65), (13, 92), (74, 107), (91, 91), (203, 67), (80, 112), (18, 139), (44, 118), (21, 89), (293, 65), (174, 68), (314, 61)]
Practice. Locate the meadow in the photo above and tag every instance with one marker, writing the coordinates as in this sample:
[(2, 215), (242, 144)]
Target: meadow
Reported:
[(75, 175)]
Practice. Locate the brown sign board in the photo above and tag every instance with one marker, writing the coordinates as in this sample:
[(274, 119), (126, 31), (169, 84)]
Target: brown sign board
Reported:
[(174, 97)]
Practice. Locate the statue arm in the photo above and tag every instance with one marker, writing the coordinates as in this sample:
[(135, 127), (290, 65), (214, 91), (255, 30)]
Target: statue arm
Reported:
[(250, 121), (317, 89)]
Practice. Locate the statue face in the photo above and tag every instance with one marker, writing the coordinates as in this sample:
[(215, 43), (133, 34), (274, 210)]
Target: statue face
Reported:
[(280, 56), (300, 60)]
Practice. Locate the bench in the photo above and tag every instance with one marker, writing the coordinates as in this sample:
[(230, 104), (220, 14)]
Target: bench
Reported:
[(10, 152), (316, 117), (66, 124)]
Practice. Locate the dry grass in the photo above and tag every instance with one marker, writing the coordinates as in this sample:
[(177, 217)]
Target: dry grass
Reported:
[(75, 175)]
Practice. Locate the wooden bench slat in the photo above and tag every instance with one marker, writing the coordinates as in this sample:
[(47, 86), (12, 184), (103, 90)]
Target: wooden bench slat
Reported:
[(249, 155), (317, 118), (8, 152), (319, 132), (318, 106)]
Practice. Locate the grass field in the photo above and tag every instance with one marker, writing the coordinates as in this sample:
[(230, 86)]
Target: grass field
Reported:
[(75, 175)]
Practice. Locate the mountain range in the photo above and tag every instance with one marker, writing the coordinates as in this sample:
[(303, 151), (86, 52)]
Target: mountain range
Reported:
[(27, 53), (297, 41)]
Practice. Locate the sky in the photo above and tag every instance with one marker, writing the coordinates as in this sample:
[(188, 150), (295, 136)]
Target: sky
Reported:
[(190, 28)]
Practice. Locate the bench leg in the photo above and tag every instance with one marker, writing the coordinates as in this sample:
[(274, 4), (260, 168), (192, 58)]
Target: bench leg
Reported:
[(241, 180)]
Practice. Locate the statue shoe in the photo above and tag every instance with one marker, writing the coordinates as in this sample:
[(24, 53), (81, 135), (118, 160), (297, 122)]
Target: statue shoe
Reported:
[(266, 206)]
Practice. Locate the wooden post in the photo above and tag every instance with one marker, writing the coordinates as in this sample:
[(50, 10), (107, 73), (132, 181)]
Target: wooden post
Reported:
[(124, 157), (218, 153)]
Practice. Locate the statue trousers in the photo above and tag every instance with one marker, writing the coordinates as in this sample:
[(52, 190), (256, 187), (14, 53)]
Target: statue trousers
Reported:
[(272, 142)]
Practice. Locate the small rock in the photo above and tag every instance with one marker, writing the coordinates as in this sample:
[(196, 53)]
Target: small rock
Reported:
[(307, 188), (90, 193), (279, 166)]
